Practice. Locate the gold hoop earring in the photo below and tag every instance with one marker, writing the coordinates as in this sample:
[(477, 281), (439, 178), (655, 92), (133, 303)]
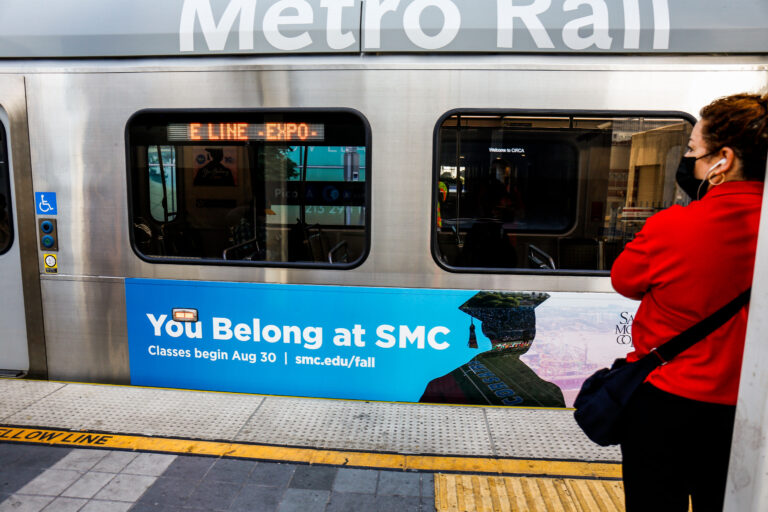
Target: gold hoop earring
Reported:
[(711, 176)]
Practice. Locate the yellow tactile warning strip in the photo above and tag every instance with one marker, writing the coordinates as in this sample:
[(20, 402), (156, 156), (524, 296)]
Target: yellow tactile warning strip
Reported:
[(431, 463), (464, 493)]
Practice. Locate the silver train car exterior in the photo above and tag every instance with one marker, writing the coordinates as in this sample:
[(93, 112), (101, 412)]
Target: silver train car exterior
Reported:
[(351, 200), (82, 130)]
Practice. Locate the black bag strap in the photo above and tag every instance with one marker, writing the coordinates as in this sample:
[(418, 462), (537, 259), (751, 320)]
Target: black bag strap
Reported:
[(692, 335)]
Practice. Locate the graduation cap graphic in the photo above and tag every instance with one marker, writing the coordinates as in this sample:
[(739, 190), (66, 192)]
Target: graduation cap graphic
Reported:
[(507, 318)]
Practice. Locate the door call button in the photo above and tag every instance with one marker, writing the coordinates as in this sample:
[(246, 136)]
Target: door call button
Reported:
[(47, 234)]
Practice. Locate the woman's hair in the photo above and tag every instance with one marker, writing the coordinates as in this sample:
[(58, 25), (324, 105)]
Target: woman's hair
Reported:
[(741, 123)]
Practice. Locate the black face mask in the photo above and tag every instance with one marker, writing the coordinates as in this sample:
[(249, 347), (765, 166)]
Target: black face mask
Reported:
[(685, 179)]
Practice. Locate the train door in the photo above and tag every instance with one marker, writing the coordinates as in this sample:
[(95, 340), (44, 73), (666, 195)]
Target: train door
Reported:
[(14, 354)]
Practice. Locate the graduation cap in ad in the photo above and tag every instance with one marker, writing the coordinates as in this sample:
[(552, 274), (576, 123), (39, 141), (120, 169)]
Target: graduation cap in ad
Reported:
[(507, 318)]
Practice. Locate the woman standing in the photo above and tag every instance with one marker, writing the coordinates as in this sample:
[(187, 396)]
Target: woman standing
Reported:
[(684, 265)]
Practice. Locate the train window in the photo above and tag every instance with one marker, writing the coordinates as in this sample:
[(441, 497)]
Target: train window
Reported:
[(6, 221), (556, 193), (259, 187)]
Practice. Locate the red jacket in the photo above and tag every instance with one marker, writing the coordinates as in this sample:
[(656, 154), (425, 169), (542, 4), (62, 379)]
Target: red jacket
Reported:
[(684, 265)]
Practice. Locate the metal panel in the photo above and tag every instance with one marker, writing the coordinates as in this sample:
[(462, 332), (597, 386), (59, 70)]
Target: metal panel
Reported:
[(77, 128), (85, 329), (24, 347)]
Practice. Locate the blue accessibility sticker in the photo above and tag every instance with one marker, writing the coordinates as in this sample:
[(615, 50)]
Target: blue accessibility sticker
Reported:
[(45, 203)]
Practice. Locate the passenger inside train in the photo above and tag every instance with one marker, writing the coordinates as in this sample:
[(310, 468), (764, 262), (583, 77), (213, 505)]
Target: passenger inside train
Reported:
[(551, 192)]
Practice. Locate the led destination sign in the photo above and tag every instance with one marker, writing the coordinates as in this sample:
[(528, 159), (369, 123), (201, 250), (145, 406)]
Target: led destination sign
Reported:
[(279, 132)]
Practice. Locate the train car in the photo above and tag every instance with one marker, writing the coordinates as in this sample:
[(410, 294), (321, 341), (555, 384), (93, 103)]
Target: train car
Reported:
[(382, 200)]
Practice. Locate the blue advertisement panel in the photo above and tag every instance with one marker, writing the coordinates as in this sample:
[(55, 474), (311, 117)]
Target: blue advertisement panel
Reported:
[(394, 344)]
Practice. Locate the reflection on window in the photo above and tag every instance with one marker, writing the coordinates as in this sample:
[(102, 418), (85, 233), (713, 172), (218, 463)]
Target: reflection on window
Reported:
[(6, 224), (283, 188), (323, 164), (162, 183), (536, 192)]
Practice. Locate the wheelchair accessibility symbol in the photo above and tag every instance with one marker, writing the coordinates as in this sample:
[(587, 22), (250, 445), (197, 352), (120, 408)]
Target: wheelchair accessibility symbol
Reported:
[(45, 203)]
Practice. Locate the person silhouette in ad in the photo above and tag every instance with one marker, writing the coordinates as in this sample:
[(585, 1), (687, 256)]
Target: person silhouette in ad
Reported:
[(498, 376)]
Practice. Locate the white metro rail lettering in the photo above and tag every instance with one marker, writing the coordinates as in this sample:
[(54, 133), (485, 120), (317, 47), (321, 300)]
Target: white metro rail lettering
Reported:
[(579, 31), (281, 15), (584, 32)]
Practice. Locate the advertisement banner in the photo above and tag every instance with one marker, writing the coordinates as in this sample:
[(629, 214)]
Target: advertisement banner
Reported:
[(512, 348)]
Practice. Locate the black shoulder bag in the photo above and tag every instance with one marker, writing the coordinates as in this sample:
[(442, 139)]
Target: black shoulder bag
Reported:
[(605, 394)]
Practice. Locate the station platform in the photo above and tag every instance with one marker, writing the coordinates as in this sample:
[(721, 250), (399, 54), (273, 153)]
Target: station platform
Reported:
[(69, 446)]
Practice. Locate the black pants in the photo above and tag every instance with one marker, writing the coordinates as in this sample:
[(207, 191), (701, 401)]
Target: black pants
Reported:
[(675, 448)]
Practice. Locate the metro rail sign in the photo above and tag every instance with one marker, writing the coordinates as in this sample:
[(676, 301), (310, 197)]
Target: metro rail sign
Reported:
[(94, 28)]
